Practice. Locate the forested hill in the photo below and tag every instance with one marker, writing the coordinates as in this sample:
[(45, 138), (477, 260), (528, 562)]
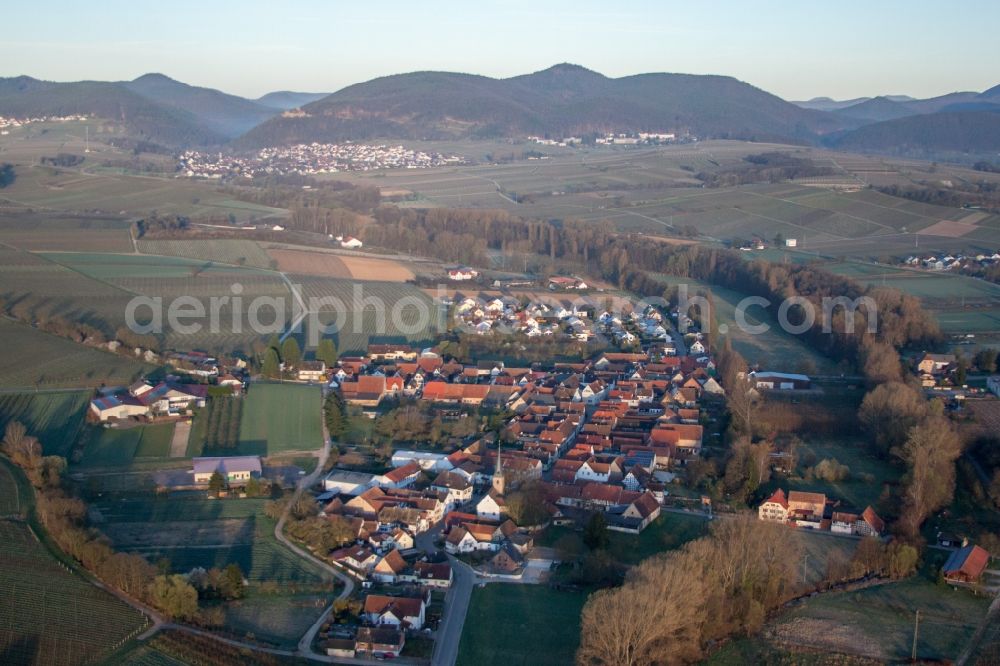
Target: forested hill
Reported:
[(975, 132), (560, 101), (153, 107)]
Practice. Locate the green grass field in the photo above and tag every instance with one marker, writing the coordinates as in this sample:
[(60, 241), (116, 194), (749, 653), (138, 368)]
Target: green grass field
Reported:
[(54, 418), (281, 417), (510, 625), (865, 483), (107, 447), (668, 532)]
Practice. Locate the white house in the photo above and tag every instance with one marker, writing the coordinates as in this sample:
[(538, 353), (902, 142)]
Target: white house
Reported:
[(349, 242), (491, 506), (396, 611)]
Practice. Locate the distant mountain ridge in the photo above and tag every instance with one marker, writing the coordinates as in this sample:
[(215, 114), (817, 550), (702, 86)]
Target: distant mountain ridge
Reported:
[(973, 132), (228, 115), (286, 99), (153, 107), (562, 100)]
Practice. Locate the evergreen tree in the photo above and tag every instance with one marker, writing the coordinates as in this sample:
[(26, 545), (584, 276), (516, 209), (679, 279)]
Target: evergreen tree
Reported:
[(216, 484), (326, 351), (291, 354), (270, 366)]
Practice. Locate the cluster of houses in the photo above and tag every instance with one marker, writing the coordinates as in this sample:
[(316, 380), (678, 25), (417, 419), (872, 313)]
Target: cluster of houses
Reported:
[(595, 435), (9, 122), (576, 321), (385, 513), (144, 399), (949, 262), (310, 158), (815, 511)]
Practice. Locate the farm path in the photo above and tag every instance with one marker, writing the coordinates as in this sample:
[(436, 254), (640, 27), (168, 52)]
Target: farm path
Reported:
[(305, 643), (178, 445)]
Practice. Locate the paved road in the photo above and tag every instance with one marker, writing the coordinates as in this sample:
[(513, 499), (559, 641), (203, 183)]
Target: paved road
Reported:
[(456, 607)]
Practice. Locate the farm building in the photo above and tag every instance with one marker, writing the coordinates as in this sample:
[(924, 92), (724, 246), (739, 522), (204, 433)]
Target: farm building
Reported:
[(232, 468), (345, 482), (117, 407), (559, 282), (935, 364), (460, 274), (781, 381), (426, 459), (966, 565)]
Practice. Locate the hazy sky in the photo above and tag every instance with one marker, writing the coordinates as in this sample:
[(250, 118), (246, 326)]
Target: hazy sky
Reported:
[(796, 50)]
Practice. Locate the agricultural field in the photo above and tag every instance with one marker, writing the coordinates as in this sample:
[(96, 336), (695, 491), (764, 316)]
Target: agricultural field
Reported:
[(34, 232), (502, 626), (119, 278), (238, 252), (112, 447), (362, 312), (773, 349), (222, 424), (877, 622), (56, 362), (54, 418), (193, 531), (47, 613), (280, 620), (34, 287), (328, 264), (95, 187), (650, 190), (281, 417)]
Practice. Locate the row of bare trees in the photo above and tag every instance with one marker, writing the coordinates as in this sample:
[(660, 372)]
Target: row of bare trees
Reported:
[(673, 604)]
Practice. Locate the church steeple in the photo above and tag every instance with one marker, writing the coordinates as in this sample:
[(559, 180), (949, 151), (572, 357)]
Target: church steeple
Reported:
[(499, 483)]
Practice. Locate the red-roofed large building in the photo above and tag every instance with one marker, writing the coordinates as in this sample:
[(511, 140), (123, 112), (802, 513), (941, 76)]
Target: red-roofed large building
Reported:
[(775, 508), (401, 477)]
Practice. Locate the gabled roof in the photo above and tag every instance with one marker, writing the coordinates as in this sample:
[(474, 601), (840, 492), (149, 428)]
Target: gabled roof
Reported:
[(392, 562), (401, 473), (778, 497), (870, 517), (970, 561), (399, 606)]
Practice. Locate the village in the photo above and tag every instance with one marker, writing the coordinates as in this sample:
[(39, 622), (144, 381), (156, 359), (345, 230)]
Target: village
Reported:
[(8, 122), (309, 159)]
